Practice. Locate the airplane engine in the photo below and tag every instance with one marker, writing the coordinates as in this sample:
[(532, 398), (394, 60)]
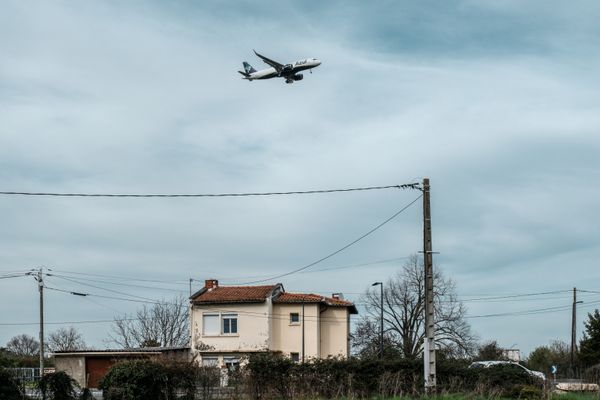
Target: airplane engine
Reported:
[(298, 77)]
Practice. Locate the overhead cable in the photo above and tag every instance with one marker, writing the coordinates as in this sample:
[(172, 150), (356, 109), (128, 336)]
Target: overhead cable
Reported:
[(337, 251), (413, 186)]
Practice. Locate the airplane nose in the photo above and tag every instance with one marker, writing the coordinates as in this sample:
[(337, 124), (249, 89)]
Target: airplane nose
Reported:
[(318, 62)]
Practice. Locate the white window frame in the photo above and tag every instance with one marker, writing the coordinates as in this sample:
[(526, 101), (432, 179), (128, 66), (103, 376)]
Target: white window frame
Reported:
[(229, 317), (210, 361), (218, 329), (221, 317)]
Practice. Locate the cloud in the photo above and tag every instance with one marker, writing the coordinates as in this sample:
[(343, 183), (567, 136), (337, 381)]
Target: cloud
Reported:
[(496, 104)]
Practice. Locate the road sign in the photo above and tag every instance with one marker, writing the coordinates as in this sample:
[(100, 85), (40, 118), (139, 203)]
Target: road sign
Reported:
[(554, 369)]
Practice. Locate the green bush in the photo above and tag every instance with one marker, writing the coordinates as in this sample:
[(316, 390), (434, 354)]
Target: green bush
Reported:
[(57, 386), (9, 388), (272, 376), (145, 379), (530, 392), (135, 380), (506, 381)]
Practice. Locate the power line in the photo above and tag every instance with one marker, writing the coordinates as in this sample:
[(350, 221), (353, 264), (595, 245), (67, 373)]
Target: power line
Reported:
[(337, 251), (7, 276), (101, 288), (414, 186), (333, 268), (119, 284), (124, 277), (515, 295), (528, 312), (274, 316)]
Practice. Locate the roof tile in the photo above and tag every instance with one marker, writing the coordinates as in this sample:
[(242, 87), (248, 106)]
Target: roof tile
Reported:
[(235, 294), (311, 298)]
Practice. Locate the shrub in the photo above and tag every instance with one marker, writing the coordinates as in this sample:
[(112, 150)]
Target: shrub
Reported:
[(57, 386), (592, 374), (9, 388), (530, 392), (135, 380), (145, 379)]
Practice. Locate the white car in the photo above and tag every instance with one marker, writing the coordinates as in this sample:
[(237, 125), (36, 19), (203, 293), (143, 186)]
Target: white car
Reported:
[(487, 364)]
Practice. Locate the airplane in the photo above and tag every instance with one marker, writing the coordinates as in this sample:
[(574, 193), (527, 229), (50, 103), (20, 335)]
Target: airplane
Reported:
[(277, 70)]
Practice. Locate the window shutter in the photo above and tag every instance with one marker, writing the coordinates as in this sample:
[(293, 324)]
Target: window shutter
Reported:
[(210, 324)]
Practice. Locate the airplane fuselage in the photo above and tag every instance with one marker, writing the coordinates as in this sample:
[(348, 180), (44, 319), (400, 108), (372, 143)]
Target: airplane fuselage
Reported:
[(289, 71)]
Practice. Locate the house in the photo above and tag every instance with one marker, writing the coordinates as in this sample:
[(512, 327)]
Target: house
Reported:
[(228, 322), (88, 367)]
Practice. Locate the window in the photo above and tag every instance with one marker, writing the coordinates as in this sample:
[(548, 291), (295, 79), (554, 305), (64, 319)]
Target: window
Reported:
[(210, 324), (294, 318), (295, 357), (210, 362), (232, 363), (229, 324)]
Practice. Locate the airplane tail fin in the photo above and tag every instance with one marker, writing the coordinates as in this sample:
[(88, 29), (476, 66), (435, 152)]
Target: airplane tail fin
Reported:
[(248, 68)]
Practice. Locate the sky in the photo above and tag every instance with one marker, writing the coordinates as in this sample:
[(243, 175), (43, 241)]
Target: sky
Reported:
[(496, 102)]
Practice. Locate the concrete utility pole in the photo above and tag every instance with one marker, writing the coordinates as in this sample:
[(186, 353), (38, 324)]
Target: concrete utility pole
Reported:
[(429, 343), (41, 290)]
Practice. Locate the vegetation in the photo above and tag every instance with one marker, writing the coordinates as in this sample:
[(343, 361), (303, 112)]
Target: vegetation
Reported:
[(9, 387), (23, 346), (162, 324), (145, 379), (64, 339), (489, 351), (57, 386), (271, 376), (589, 347), (558, 353), (403, 316)]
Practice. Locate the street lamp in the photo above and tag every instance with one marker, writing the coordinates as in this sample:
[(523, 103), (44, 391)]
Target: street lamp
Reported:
[(381, 321)]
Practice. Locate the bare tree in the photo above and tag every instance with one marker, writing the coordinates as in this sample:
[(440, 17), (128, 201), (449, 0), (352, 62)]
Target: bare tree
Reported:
[(163, 324), (23, 346), (403, 317), (64, 339)]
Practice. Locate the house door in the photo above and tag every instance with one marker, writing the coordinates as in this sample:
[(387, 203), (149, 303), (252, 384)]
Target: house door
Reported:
[(96, 368)]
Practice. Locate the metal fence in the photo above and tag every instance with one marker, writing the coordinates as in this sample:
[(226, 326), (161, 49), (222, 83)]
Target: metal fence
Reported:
[(25, 374)]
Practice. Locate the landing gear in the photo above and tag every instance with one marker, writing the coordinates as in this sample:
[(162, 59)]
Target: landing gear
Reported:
[(288, 80)]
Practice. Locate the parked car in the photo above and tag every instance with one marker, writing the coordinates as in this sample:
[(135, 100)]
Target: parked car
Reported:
[(488, 364)]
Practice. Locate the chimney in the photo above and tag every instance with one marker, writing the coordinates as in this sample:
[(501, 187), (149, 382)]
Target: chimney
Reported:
[(338, 296), (211, 284)]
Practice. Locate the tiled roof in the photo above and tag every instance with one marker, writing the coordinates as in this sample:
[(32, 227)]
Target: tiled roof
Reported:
[(234, 294), (311, 298)]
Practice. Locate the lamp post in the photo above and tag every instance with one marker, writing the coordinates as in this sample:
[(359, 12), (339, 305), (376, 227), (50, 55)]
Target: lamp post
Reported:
[(381, 321)]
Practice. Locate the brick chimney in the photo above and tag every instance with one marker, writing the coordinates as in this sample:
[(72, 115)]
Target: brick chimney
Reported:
[(211, 284)]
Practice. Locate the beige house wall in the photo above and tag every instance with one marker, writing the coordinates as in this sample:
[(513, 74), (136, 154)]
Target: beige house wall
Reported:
[(252, 326), (287, 337), (335, 332), (73, 366)]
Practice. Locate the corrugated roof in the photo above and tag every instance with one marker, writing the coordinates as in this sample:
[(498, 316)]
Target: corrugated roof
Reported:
[(140, 350), (234, 294)]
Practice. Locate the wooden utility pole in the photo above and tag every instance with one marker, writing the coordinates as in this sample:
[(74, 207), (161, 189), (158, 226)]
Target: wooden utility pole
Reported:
[(429, 343), (573, 331), (41, 290)]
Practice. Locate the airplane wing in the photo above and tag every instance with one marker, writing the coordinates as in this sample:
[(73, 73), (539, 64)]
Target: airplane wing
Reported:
[(272, 63)]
